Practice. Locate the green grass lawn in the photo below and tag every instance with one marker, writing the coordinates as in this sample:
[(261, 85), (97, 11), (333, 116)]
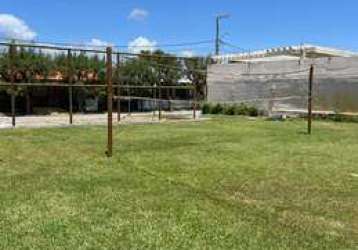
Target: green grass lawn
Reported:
[(220, 184)]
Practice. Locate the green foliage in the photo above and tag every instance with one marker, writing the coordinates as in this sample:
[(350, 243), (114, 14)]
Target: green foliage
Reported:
[(339, 118), (196, 71), (220, 109), (34, 65), (148, 68), (230, 110), (27, 65), (151, 68), (207, 108), (217, 109), (242, 109), (252, 111)]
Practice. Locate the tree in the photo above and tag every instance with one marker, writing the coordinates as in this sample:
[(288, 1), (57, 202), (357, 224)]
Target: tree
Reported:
[(28, 65), (196, 72), (147, 68), (150, 68)]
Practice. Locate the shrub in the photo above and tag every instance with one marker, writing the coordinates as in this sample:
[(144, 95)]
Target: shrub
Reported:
[(217, 109), (230, 110), (207, 108), (337, 118), (252, 111), (343, 118), (242, 109)]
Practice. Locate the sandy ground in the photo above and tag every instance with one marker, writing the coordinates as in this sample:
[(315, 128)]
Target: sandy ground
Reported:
[(62, 120)]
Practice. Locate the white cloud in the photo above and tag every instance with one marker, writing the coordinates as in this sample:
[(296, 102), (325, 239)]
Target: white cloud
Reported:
[(12, 27), (142, 44), (188, 53), (93, 44), (138, 14), (98, 43)]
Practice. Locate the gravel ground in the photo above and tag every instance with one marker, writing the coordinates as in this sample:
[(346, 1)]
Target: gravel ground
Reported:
[(62, 120)]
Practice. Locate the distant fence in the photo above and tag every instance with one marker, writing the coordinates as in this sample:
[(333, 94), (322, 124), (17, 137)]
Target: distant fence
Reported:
[(34, 76), (283, 86), (24, 67)]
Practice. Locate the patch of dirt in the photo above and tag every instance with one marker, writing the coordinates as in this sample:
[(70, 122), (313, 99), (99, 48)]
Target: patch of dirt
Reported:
[(62, 120)]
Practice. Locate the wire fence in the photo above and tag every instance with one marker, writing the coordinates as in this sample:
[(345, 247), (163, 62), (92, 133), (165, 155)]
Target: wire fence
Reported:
[(74, 78)]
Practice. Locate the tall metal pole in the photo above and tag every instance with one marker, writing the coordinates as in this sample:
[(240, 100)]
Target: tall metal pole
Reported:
[(12, 54), (217, 39), (109, 101), (310, 86), (70, 81)]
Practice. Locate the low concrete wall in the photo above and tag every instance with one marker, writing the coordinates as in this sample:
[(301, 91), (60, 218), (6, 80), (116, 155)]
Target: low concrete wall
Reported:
[(283, 86)]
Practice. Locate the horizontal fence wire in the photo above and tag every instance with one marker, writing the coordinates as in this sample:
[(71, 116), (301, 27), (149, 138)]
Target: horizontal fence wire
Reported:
[(88, 49), (57, 84), (126, 98)]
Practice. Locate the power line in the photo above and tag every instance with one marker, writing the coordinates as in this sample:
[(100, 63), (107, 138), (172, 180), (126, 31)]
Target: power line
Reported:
[(90, 49), (234, 46), (182, 44)]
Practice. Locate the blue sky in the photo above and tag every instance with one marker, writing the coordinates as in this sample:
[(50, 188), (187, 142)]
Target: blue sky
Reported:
[(253, 24)]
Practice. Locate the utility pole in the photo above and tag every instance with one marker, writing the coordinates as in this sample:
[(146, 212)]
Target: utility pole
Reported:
[(218, 40)]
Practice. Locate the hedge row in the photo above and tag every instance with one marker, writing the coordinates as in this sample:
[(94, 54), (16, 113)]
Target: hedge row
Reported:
[(226, 109)]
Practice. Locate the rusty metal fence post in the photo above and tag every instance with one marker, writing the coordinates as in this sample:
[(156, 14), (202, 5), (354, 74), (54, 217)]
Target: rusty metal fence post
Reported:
[(12, 55), (118, 89), (194, 103), (310, 86), (154, 103), (70, 82), (160, 101), (109, 101), (129, 102)]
